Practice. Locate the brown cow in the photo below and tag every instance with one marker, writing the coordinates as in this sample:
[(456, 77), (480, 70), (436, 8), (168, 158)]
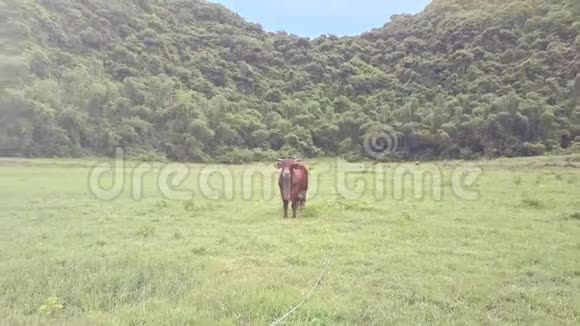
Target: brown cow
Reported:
[(293, 183)]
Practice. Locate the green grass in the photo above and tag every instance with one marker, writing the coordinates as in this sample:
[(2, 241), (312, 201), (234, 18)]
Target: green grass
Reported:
[(510, 256)]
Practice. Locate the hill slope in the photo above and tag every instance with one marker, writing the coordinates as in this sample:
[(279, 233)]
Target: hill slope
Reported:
[(190, 80)]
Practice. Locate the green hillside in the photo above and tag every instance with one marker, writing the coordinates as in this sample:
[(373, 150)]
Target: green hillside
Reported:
[(191, 81)]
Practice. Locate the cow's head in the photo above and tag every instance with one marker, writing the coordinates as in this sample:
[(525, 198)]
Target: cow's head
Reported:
[(286, 167)]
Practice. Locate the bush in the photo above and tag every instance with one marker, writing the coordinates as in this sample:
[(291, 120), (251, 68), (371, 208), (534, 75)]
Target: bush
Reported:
[(531, 149), (353, 157), (550, 145), (236, 156), (466, 154), (264, 155), (575, 148), (145, 155), (244, 155)]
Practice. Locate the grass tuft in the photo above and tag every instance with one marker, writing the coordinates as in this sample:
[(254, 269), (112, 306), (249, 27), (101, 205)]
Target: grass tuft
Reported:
[(51, 306), (406, 216), (189, 205), (161, 204), (145, 231), (360, 206), (311, 211), (534, 203)]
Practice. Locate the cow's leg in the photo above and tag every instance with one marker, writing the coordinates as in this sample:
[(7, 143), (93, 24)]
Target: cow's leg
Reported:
[(285, 208), (303, 200), (295, 203)]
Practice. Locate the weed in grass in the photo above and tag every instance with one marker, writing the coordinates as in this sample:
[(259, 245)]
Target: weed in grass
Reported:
[(189, 205), (51, 306), (517, 180), (575, 216), (199, 251), (161, 204), (310, 212), (146, 231), (352, 205), (530, 202)]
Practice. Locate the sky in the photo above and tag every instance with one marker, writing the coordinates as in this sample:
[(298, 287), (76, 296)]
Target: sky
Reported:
[(311, 18)]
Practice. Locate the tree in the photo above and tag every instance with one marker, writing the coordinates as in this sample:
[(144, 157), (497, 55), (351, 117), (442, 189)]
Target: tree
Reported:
[(191, 80)]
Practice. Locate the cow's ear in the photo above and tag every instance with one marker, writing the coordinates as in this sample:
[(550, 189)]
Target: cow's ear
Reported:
[(277, 165)]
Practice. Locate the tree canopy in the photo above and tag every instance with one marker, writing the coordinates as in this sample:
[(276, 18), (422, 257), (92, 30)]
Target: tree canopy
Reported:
[(190, 80)]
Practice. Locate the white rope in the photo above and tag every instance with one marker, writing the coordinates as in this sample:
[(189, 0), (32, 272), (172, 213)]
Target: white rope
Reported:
[(310, 292)]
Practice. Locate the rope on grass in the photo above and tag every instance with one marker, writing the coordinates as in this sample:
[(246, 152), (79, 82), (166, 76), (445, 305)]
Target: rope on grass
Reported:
[(278, 321)]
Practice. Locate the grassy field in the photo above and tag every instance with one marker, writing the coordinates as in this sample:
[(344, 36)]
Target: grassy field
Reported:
[(502, 247)]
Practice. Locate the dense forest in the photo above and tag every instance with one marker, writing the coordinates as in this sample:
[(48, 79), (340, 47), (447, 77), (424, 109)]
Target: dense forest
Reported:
[(189, 80)]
